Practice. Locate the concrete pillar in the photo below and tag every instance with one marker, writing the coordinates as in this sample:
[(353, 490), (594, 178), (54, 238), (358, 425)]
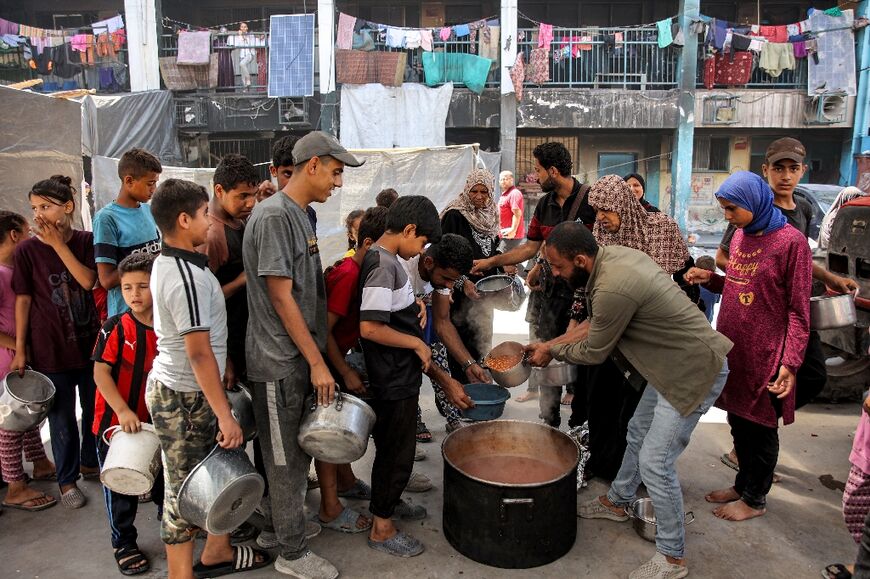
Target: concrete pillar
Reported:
[(141, 19), (681, 162), (508, 109), (860, 141), (326, 58)]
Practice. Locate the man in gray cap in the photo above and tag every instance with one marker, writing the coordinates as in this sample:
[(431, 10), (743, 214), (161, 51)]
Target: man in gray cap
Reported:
[(287, 331)]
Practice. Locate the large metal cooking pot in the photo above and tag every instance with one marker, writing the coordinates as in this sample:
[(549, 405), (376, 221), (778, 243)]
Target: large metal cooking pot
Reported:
[(133, 461), (555, 373), (507, 364), (221, 492), (502, 292), (25, 401), (829, 312), (643, 518), (338, 433), (243, 410), (510, 493)]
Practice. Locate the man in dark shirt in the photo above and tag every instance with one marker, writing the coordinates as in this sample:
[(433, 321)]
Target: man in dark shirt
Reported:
[(565, 200)]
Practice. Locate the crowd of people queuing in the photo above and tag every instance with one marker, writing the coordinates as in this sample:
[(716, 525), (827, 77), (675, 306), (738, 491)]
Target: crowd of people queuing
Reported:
[(206, 291)]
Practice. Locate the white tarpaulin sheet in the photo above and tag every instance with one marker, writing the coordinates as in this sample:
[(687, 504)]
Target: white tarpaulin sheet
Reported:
[(107, 183), (438, 173), (374, 116)]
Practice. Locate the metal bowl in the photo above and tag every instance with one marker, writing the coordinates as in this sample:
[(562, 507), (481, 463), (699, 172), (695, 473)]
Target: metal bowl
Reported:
[(516, 374), (498, 292), (643, 518), (830, 312), (555, 373)]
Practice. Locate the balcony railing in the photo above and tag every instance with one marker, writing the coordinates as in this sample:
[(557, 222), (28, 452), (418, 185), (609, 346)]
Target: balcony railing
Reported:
[(229, 67), (788, 79), (107, 74), (626, 58)]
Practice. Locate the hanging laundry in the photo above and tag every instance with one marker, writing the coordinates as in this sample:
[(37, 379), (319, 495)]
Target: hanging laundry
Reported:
[(109, 25), (226, 75), (517, 75), (618, 39), (773, 33), (462, 30), (777, 57), (718, 32), (726, 46), (193, 47), (413, 40), (835, 12), (395, 37), (445, 33), (489, 48), (730, 69), (363, 41), (793, 29), (665, 36), (740, 42), (545, 36), (609, 42), (426, 42), (469, 69), (812, 48), (804, 26), (344, 34), (538, 69), (7, 27), (679, 37), (756, 44), (585, 44), (800, 49), (698, 27)]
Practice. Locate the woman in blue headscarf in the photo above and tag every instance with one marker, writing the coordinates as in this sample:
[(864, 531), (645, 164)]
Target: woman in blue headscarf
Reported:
[(765, 312)]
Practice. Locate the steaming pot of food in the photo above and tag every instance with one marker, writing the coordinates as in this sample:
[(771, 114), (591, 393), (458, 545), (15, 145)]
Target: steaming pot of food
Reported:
[(510, 493)]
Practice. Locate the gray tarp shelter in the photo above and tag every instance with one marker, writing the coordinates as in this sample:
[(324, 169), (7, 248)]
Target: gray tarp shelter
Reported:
[(40, 136)]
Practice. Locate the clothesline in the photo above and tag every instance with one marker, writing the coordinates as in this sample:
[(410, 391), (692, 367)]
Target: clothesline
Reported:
[(649, 25), (16, 28), (414, 28)]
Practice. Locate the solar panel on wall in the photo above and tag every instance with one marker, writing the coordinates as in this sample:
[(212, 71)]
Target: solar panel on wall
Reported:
[(291, 55)]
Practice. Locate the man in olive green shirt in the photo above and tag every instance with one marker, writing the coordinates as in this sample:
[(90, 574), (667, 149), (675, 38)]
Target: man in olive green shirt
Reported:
[(638, 315)]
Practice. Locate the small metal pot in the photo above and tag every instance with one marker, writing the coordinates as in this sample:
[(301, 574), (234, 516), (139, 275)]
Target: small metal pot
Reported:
[(829, 312), (489, 401), (243, 410), (338, 433), (555, 373), (221, 492), (508, 377), (643, 518), (501, 292), (25, 401)]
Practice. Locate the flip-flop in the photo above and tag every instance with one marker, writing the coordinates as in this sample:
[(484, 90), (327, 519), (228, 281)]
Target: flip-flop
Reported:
[(726, 460), (346, 522), (399, 545), (34, 508), (423, 434), (244, 559), (836, 571), (359, 490)]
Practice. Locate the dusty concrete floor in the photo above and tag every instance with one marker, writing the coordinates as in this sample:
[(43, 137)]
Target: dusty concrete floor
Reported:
[(802, 531)]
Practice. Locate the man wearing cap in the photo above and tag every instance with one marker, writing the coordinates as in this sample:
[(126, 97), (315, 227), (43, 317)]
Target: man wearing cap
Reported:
[(783, 168), (286, 339)]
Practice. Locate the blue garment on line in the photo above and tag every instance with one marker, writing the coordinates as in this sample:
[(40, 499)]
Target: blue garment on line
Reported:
[(666, 37), (468, 69), (751, 192), (461, 30)]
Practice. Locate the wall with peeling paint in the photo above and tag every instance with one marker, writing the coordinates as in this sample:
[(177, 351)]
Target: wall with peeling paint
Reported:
[(597, 109)]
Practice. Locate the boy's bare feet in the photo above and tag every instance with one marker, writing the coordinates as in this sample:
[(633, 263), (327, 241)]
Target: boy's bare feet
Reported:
[(737, 511), (526, 396), (728, 495)]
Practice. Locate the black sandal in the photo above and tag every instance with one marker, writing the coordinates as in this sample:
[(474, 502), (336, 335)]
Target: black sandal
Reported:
[(128, 558), (423, 434), (244, 559), (244, 532), (836, 571)]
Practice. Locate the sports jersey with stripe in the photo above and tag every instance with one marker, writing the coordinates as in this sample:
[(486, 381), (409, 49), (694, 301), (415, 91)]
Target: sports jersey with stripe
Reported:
[(129, 347), (187, 298)]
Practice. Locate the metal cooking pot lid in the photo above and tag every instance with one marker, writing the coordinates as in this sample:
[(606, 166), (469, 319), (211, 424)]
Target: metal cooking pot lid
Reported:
[(235, 504)]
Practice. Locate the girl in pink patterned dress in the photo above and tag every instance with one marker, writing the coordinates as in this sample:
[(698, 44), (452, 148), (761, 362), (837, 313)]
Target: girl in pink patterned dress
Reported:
[(765, 312)]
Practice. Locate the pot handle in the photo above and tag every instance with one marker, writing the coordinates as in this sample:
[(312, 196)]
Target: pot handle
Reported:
[(339, 400), (113, 430), (689, 518), (40, 409), (505, 503)]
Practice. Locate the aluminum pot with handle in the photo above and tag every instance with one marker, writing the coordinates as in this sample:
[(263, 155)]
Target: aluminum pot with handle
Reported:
[(643, 518), (555, 373), (338, 433), (502, 292), (221, 492), (243, 410), (507, 364), (25, 401), (830, 312), (133, 461)]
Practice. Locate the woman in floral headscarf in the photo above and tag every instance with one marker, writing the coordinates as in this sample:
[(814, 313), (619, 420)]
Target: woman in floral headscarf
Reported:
[(474, 216), (622, 220)]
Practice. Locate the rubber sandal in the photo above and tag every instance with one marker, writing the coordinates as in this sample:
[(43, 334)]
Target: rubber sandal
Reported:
[(399, 545), (726, 460), (73, 498), (423, 434), (46, 477), (836, 571), (408, 512), (244, 532), (359, 490), (127, 557), (244, 559), (346, 522), (33, 508)]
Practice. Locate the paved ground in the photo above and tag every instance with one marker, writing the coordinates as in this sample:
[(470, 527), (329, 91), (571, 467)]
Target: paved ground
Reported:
[(802, 531)]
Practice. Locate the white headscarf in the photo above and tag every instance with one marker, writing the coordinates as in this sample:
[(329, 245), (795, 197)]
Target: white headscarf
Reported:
[(843, 197)]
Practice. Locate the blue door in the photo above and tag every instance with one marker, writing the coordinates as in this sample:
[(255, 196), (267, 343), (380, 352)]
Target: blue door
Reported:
[(616, 164)]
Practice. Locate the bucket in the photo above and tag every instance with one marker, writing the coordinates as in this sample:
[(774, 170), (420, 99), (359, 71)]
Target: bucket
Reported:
[(133, 461)]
